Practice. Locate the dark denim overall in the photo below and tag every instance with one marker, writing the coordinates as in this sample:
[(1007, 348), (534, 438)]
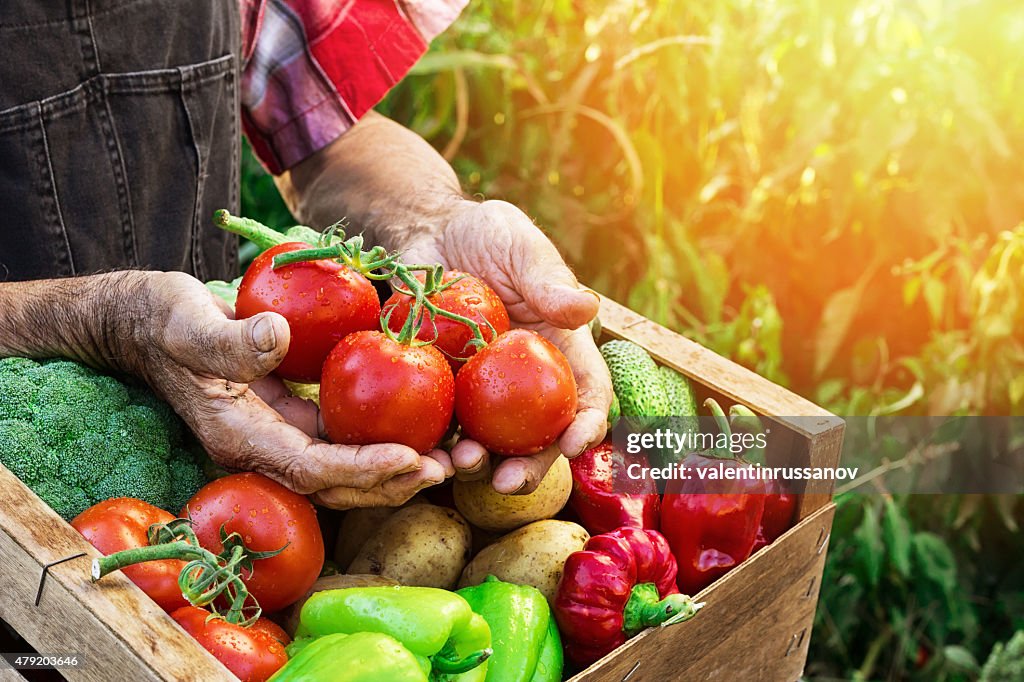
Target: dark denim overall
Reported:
[(119, 136)]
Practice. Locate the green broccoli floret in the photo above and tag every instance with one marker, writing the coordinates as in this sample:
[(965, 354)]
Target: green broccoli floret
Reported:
[(17, 394), (1006, 662), (68, 501), (77, 437), (187, 477), (23, 452)]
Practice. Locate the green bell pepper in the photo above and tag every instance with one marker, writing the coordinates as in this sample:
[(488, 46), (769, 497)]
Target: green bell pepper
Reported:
[(360, 657), (524, 636), (429, 622), (550, 662)]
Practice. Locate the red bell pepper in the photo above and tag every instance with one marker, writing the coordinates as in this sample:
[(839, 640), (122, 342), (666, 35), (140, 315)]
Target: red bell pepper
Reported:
[(619, 584), (605, 497), (711, 523), (780, 504), (779, 507)]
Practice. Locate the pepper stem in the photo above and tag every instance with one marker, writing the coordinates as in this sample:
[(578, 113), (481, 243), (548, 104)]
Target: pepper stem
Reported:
[(446, 661), (744, 419), (644, 609), (262, 236)]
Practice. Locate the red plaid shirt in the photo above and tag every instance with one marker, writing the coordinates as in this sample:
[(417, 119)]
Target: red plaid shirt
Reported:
[(312, 68)]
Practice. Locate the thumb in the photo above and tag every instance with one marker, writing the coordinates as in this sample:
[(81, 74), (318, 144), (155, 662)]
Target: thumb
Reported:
[(550, 289), (236, 350)]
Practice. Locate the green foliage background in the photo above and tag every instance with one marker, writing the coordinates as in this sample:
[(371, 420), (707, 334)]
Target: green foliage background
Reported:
[(829, 193)]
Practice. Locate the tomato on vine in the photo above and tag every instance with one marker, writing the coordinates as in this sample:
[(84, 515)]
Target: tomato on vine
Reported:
[(123, 523), (252, 653), (376, 389), (323, 301), (459, 293), (268, 517)]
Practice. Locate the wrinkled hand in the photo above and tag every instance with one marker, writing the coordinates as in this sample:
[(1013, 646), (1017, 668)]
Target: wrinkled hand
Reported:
[(500, 244), (211, 369)]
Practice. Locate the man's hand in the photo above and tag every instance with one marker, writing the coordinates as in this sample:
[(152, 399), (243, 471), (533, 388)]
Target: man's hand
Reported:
[(398, 191), (168, 329), (498, 243)]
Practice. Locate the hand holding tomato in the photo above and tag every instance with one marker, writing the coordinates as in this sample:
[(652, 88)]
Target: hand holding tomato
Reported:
[(500, 244)]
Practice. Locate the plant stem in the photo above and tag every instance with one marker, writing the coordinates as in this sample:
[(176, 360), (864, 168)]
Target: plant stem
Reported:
[(180, 549), (259, 234)]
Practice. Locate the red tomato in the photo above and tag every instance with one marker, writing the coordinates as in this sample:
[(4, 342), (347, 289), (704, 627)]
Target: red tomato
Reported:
[(267, 516), (121, 523), (468, 297), (323, 302), (251, 654), (268, 626), (516, 396), (375, 390)]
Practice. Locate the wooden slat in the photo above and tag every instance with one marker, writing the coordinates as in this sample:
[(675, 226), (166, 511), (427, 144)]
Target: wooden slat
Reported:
[(10, 675), (122, 633), (755, 625)]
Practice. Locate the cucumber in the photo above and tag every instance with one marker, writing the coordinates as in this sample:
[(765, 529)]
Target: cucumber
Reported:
[(638, 384), (683, 410), (681, 399)]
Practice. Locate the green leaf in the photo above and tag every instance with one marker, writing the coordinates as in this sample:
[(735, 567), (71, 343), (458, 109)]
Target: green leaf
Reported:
[(934, 562), (870, 549), (897, 536), (960, 658)]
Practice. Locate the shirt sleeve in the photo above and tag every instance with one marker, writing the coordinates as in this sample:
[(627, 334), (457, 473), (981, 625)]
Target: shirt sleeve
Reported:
[(312, 68)]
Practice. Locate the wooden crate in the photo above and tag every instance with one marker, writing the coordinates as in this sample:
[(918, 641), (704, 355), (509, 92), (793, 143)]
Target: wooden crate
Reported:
[(756, 622), (755, 625)]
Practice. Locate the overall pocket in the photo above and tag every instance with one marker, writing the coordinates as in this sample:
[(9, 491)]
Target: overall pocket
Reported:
[(124, 170)]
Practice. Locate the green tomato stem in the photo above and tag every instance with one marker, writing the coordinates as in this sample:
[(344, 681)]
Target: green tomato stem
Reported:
[(179, 549), (259, 234)]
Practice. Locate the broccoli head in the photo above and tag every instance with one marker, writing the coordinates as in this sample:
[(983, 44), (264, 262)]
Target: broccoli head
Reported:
[(77, 437)]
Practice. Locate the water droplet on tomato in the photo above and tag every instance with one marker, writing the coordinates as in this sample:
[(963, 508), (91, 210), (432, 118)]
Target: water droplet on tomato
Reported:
[(252, 513), (248, 539), (237, 508), (198, 507), (286, 275)]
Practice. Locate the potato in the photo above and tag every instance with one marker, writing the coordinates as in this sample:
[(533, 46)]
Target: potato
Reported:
[(422, 545), (356, 528), (489, 510), (331, 582), (533, 555)]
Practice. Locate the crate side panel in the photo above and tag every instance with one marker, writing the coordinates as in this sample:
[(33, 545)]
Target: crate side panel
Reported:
[(115, 625), (756, 623)]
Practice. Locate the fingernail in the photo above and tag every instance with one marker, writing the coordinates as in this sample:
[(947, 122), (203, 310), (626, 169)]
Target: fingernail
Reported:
[(264, 338), (427, 484), (476, 467), (586, 446), (520, 488)]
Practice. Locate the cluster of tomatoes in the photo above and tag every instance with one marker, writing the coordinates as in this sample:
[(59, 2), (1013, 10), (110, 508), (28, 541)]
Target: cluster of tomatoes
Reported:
[(386, 378), (267, 516)]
